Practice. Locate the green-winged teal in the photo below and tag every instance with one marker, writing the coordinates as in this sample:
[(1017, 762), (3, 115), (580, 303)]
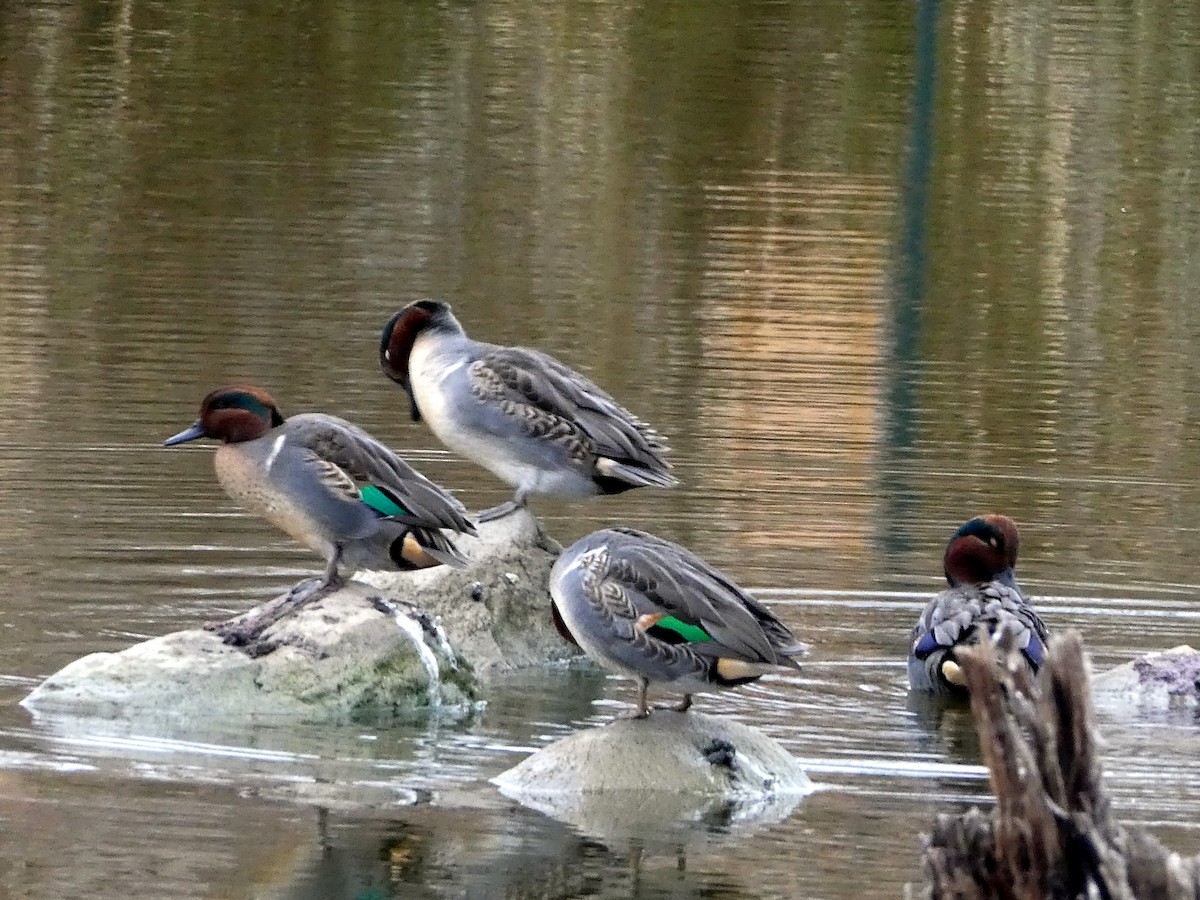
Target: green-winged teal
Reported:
[(532, 421), (650, 610), (983, 600), (329, 485)]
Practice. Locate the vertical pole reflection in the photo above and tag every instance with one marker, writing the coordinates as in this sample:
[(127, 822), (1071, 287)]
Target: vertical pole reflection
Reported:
[(897, 495)]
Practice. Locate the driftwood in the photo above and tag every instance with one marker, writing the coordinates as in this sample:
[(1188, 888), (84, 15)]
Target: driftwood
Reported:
[(1052, 833)]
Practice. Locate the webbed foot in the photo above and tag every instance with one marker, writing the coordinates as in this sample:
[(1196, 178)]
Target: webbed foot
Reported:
[(243, 630), (499, 512)]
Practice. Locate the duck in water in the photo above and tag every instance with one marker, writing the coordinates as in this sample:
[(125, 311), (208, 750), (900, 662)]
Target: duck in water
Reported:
[(982, 601)]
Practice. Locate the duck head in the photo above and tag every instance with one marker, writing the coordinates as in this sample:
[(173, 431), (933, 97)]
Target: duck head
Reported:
[(400, 335), (982, 550), (232, 415), (403, 329)]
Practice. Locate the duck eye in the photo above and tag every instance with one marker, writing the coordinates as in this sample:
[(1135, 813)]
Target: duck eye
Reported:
[(991, 541)]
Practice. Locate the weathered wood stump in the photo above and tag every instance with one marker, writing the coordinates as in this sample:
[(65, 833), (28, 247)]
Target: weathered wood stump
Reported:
[(1052, 833)]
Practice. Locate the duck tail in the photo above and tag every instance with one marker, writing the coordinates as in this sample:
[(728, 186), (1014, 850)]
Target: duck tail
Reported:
[(729, 672), (433, 544), (788, 656), (421, 548), (616, 476)]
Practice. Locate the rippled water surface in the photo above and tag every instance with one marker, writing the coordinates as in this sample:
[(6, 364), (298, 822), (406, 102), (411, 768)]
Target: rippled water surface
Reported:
[(873, 267)]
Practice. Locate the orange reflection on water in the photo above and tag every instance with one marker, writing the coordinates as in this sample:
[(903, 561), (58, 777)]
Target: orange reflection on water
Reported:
[(792, 295)]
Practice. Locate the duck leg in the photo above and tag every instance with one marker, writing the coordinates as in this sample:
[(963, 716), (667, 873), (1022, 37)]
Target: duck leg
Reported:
[(643, 711), (504, 509), (245, 629), (683, 706)]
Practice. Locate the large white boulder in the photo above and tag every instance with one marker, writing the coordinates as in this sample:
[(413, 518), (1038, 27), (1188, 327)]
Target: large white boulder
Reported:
[(641, 777), (402, 644)]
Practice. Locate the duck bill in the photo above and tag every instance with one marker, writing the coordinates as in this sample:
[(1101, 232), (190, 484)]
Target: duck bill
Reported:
[(1008, 578), (196, 430)]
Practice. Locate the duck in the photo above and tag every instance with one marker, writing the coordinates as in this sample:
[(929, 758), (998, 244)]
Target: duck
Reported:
[(983, 599), (330, 486), (648, 609), (530, 420)]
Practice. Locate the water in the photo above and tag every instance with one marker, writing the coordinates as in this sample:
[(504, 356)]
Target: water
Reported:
[(872, 267)]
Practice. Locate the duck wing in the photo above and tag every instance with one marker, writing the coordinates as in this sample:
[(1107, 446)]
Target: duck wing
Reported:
[(661, 577), (959, 615), (346, 457), (550, 399)]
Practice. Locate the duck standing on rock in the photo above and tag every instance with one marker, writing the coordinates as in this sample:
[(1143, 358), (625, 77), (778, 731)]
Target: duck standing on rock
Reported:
[(329, 485), (650, 610), (983, 600), (533, 422)]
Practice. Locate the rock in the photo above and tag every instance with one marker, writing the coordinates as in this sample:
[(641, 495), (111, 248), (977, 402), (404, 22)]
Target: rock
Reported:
[(648, 776), (1169, 679), (496, 613), (342, 658), (414, 641)]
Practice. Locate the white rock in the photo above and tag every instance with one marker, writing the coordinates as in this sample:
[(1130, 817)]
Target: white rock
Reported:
[(357, 654), (1169, 679), (339, 659), (644, 777), (509, 626)]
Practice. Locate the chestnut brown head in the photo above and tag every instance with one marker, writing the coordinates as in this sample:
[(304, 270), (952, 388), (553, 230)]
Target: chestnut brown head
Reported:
[(401, 333), (982, 550), (232, 414)]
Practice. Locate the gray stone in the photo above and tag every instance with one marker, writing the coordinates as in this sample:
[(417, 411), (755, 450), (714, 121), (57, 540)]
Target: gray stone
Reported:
[(338, 659), (496, 612), (646, 777), (406, 644), (1166, 680)]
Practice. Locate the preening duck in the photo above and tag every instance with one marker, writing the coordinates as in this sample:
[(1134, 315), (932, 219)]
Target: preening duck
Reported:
[(983, 600), (533, 422)]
